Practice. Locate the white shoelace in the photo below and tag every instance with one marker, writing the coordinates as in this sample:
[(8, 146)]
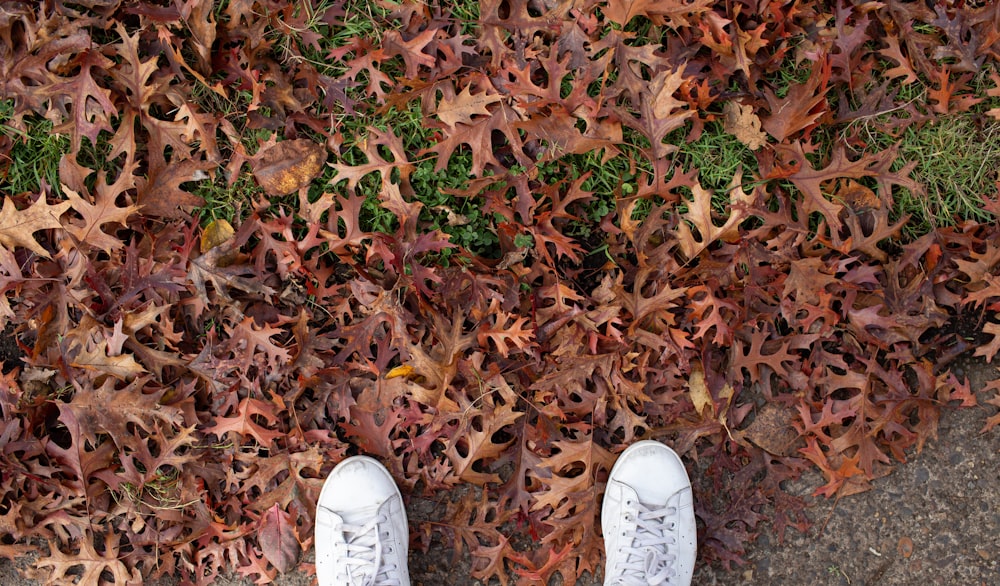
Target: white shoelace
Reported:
[(648, 560), (360, 553)]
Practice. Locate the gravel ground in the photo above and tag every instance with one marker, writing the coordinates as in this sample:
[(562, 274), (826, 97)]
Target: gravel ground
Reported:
[(934, 520)]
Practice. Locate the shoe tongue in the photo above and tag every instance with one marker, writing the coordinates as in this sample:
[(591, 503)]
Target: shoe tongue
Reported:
[(360, 517)]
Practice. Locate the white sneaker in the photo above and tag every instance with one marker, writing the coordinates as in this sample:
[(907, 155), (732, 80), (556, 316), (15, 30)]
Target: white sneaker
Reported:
[(648, 519), (361, 533)]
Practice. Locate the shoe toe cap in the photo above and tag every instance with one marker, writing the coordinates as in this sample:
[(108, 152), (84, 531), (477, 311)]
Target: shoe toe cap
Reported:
[(653, 471), (357, 483)]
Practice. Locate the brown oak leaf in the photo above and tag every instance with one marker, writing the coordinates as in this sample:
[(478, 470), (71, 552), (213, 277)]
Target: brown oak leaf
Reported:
[(17, 227)]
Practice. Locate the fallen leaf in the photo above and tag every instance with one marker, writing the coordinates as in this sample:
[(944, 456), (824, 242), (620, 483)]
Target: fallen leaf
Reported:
[(859, 197), (216, 233), (771, 430), (465, 106), (698, 392), (96, 358), (742, 122), (289, 165), (404, 370), (17, 227), (277, 539)]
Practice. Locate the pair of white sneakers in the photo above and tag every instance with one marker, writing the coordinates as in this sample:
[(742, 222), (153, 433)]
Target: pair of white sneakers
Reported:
[(647, 517)]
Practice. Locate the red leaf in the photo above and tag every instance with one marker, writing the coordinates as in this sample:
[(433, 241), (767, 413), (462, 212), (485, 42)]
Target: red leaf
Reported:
[(278, 540)]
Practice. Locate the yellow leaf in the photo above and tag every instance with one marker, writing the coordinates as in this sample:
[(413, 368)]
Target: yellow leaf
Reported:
[(699, 392), (216, 233), (404, 370)]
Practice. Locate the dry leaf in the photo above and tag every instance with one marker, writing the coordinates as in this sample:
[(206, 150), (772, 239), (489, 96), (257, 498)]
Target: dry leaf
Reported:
[(277, 539), (17, 228), (121, 367), (698, 392), (289, 165), (858, 196), (771, 430), (216, 233), (463, 107), (743, 123)]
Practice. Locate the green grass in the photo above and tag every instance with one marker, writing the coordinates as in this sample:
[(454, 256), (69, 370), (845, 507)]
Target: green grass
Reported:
[(957, 160), (718, 156), (363, 19), (34, 156), (224, 201), (956, 156)]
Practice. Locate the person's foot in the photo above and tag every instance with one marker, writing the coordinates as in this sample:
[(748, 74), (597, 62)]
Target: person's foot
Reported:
[(361, 533), (648, 518)]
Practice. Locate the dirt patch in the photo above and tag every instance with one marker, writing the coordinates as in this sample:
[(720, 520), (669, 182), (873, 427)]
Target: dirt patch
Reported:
[(10, 353)]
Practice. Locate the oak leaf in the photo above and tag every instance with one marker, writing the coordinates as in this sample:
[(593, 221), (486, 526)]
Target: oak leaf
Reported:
[(96, 358), (479, 137), (106, 409), (243, 423), (801, 107), (17, 227), (674, 13), (92, 106), (700, 217), (990, 349), (88, 565), (161, 193), (660, 113), (103, 210), (811, 181), (135, 73), (473, 444), (465, 106)]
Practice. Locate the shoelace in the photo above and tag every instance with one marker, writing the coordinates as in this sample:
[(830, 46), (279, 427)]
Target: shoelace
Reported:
[(360, 552), (648, 559)]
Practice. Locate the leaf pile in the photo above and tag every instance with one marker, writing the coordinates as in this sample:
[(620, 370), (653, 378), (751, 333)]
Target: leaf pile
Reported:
[(185, 391)]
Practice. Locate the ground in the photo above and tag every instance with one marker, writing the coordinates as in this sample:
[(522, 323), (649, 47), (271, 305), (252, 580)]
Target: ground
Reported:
[(933, 520)]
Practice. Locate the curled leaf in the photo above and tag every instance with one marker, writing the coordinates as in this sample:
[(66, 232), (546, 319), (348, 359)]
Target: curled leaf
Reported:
[(743, 123), (404, 370)]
